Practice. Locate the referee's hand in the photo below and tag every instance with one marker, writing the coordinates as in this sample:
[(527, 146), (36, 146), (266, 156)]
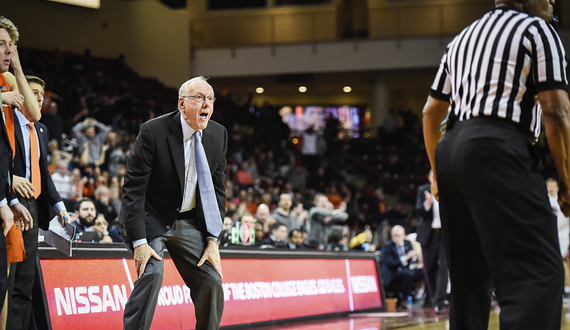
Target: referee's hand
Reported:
[(435, 190)]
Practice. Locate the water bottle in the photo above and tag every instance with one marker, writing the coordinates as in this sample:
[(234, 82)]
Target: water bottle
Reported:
[(410, 302)]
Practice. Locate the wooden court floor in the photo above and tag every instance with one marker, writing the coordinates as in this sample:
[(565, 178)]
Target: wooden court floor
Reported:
[(416, 319)]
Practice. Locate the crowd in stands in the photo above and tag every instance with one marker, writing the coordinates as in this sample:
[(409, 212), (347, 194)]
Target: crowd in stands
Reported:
[(94, 107), (315, 189)]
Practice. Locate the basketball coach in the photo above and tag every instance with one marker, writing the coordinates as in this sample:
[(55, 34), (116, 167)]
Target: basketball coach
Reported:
[(174, 197)]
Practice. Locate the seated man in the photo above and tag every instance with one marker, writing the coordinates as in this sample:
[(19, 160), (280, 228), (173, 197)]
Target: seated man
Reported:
[(397, 256), (86, 214), (296, 239), (278, 235)]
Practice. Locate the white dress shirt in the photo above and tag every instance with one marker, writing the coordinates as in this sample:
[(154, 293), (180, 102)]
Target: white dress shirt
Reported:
[(59, 206), (190, 173)]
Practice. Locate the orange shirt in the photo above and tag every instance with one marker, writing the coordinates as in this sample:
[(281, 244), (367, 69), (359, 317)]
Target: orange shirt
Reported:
[(15, 250), (5, 87)]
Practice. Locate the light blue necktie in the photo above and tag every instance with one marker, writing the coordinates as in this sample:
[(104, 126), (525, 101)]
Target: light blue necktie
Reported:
[(207, 195), (401, 250)]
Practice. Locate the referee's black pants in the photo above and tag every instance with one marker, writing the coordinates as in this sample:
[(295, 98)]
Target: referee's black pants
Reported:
[(498, 228)]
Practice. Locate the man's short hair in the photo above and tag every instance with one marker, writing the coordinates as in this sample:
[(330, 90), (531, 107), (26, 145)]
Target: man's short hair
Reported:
[(12, 30), (292, 233), (37, 80), (184, 88), (317, 196), (81, 201), (336, 235), (276, 226), (551, 180)]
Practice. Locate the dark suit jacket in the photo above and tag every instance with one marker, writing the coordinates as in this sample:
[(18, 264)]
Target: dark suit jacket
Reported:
[(5, 165), (391, 261), (424, 226), (154, 179), (49, 196)]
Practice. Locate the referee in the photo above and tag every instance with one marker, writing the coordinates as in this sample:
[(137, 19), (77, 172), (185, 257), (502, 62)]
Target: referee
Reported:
[(497, 224)]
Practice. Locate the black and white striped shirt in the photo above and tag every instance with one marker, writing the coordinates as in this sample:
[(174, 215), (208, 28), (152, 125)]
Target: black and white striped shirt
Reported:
[(497, 65)]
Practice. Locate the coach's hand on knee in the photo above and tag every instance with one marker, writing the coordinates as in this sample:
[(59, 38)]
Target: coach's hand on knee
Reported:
[(143, 253), (212, 254)]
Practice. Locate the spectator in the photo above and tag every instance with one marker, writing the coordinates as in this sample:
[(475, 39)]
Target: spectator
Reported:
[(245, 230), (104, 206), (334, 197), (398, 254), (269, 165), (90, 142), (311, 159), (114, 158), (338, 239), (54, 123), (283, 213), (262, 213), (321, 218), (296, 239), (244, 178), (88, 181), (251, 167), (278, 236), (100, 227), (227, 234), (363, 241), (259, 233), (115, 197), (85, 213)]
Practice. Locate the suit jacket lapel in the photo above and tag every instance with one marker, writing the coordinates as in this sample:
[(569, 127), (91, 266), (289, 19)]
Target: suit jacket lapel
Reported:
[(176, 143), (42, 139), (207, 141), (18, 134)]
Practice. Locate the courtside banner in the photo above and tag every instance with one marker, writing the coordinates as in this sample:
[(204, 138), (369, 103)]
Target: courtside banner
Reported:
[(82, 292)]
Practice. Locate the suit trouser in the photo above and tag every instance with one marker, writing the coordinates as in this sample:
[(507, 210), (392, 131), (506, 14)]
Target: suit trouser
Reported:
[(23, 274), (435, 268), (498, 228), (3, 269), (185, 245), (404, 279)]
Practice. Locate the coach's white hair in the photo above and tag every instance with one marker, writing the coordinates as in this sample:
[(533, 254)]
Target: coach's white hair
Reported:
[(186, 86)]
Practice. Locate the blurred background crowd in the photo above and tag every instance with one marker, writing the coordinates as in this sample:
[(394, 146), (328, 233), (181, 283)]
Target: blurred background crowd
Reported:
[(94, 107)]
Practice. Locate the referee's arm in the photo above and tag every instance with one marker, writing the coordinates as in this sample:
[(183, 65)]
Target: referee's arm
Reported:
[(433, 114), (556, 115)]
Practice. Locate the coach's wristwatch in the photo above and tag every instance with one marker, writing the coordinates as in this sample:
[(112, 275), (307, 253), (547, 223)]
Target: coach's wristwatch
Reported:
[(213, 239)]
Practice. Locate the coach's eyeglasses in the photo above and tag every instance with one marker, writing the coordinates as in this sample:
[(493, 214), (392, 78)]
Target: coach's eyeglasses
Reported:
[(202, 98)]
